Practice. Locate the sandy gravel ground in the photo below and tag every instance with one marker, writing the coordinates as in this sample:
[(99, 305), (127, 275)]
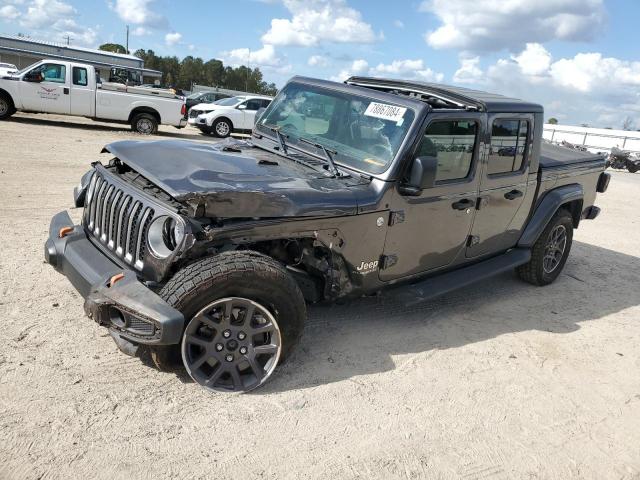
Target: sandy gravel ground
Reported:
[(502, 381)]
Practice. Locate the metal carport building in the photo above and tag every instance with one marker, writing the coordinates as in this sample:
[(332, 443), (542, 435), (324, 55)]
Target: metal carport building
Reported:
[(23, 51)]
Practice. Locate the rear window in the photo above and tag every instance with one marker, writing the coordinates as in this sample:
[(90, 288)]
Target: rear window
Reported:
[(80, 76), (508, 146)]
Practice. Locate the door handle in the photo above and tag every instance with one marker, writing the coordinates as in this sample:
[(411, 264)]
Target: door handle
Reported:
[(463, 204), (66, 91), (513, 194)]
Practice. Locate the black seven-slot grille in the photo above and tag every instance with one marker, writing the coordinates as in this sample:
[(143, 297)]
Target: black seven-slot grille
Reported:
[(118, 219)]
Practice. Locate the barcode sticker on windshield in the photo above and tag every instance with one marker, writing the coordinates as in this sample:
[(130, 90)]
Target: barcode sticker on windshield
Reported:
[(386, 112)]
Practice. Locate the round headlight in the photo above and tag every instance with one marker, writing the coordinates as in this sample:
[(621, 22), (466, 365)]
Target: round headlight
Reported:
[(165, 235)]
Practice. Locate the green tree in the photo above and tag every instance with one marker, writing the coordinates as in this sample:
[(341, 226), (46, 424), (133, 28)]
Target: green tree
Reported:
[(112, 47), (213, 73), (553, 121)]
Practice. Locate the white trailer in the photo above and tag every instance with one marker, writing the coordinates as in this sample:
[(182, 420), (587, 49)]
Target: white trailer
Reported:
[(69, 88)]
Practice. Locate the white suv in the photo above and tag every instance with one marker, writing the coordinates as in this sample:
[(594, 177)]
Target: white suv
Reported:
[(229, 115)]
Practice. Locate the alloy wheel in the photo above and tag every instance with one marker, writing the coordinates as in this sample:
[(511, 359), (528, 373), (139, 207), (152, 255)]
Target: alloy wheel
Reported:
[(222, 129), (554, 249), (231, 345)]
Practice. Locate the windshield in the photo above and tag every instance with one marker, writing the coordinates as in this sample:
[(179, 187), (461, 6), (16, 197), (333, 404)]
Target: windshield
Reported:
[(364, 134), (229, 102), (195, 95)]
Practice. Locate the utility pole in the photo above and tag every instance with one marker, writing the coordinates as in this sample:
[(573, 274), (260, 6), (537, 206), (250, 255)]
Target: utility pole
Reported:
[(67, 38), (127, 47)]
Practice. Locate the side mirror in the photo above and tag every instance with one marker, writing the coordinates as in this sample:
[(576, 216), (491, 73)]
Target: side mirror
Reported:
[(421, 175), (242, 107), (33, 77), (259, 113)]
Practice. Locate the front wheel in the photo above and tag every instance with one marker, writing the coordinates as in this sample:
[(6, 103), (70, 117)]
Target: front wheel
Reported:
[(222, 128), (244, 315), (145, 124), (550, 252), (633, 168)]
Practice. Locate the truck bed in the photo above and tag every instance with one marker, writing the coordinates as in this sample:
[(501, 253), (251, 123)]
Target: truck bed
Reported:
[(558, 156)]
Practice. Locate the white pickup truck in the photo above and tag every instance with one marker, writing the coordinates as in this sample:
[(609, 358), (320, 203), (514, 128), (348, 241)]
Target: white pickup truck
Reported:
[(68, 88)]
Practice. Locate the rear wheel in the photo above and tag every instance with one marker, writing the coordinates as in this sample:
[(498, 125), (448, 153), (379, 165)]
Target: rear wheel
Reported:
[(145, 124), (222, 128), (6, 107), (632, 168), (244, 315), (550, 252)]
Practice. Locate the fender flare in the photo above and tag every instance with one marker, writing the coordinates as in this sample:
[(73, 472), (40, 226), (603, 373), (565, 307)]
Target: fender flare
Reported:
[(546, 209)]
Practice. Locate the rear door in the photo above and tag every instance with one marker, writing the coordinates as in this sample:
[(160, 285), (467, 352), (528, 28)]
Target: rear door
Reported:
[(430, 231), (82, 91), (503, 188)]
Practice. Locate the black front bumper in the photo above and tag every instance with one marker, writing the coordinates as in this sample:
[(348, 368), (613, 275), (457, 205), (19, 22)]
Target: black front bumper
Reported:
[(128, 308)]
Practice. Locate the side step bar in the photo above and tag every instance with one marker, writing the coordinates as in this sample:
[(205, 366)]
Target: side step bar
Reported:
[(433, 287)]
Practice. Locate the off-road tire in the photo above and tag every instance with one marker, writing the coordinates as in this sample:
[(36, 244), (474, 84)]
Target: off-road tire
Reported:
[(144, 124), (534, 271), (244, 274), (6, 107), (217, 129)]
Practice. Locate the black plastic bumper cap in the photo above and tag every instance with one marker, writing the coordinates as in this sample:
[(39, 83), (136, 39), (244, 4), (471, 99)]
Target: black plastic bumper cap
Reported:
[(50, 253)]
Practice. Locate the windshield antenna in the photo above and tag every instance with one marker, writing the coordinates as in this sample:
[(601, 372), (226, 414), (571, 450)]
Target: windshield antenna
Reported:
[(327, 154)]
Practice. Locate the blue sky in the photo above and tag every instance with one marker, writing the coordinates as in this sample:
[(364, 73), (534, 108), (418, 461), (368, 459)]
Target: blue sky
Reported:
[(576, 57)]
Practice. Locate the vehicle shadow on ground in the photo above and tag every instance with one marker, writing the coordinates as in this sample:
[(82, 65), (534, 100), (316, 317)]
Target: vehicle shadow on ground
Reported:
[(345, 341), (358, 338), (117, 128)]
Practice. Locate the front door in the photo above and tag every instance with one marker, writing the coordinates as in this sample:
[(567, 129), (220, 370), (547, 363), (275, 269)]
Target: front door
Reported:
[(504, 186), (51, 95), (430, 231)]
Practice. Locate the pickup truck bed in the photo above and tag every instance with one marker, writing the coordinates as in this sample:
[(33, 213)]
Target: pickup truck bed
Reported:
[(558, 156)]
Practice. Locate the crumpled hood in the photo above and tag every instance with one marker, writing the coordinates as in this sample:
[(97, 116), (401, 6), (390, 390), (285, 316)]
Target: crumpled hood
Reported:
[(237, 180)]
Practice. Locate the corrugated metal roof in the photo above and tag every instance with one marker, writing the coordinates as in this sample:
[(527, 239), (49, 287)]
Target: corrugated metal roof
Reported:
[(34, 41)]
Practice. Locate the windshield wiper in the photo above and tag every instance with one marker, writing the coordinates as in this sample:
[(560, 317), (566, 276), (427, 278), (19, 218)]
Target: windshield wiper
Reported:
[(276, 129), (327, 154)]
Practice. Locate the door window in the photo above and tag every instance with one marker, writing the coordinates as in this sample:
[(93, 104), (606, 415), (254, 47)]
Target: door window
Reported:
[(254, 104), (453, 143), (508, 146), (52, 72), (80, 76)]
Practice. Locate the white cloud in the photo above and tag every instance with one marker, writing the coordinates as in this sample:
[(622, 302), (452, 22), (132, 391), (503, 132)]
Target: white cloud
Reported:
[(264, 57), (398, 23), (359, 66), (534, 60), (409, 69), (51, 19), (9, 12), (44, 13), (317, 21), (318, 61), (139, 12), (172, 38), (586, 88), (469, 71), (140, 31), (483, 25)]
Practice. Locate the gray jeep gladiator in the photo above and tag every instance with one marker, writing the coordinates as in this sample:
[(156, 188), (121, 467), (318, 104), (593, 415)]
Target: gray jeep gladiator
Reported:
[(210, 252)]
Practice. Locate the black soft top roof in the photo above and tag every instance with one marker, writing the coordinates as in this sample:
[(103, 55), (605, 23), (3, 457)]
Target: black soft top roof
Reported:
[(487, 102)]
